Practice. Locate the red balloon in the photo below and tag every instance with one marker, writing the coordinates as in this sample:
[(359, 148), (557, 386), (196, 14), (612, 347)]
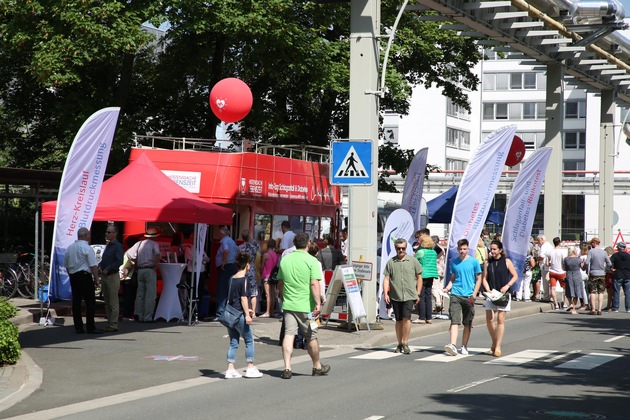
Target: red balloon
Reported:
[(516, 153), (231, 100)]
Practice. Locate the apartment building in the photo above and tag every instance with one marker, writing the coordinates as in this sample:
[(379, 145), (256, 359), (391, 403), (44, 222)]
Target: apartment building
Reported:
[(512, 93)]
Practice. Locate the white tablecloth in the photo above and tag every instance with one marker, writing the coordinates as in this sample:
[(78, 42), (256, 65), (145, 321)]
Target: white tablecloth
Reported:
[(169, 306)]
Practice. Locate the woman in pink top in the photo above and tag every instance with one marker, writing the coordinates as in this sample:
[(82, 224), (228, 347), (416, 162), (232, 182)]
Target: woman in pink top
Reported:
[(268, 276)]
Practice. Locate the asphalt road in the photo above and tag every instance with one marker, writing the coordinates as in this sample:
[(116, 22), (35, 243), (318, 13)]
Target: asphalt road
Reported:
[(554, 365)]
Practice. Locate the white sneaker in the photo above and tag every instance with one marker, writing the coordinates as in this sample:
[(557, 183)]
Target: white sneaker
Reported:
[(232, 374), (253, 372), (464, 351), (451, 349)]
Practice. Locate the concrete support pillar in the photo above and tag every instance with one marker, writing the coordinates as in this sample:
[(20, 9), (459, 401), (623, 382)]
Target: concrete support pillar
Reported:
[(554, 114), (606, 168), (364, 68)]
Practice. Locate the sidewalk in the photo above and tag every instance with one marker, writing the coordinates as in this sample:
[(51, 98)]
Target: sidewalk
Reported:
[(20, 381)]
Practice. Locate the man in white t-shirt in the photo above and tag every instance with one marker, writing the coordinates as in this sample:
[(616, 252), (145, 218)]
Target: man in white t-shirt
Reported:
[(344, 243), (556, 272), (287, 235)]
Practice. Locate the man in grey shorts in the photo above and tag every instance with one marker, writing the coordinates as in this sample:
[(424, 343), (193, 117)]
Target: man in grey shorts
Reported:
[(402, 285), (463, 285), (298, 287)]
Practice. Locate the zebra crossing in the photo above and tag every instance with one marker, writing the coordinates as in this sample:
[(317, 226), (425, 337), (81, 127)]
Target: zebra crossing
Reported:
[(586, 361)]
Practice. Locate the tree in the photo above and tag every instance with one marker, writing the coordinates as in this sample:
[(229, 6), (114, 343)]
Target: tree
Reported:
[(392, 159), (61, 61)]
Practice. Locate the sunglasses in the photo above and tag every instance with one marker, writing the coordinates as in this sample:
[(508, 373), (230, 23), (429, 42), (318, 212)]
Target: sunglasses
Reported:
[(401, 249)]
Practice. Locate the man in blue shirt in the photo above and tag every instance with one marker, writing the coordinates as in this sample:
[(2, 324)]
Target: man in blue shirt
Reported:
[(226, 266), (463, 285), (110, 279)]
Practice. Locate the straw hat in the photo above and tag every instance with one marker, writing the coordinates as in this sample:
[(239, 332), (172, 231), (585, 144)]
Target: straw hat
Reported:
[(152, 233)]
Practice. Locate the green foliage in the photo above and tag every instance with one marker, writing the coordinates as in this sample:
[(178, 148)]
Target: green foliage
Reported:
[(10, 349), (7, 310), (392, 159), (62, 61), (9, 346)]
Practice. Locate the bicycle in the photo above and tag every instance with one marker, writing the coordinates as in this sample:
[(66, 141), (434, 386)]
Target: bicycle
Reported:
[(25, 270), (8, 281)]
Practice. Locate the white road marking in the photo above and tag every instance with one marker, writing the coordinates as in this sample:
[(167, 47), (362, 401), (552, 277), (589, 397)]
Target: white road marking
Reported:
[(520, 357), (447, 358), (474, 384), (387, 354), (561, 356), (159, 390), (377, 355), (589, 361), (610, 340), (374, 418)]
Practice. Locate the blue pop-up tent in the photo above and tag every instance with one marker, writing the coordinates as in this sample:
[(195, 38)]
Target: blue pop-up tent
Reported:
[(440, 209)]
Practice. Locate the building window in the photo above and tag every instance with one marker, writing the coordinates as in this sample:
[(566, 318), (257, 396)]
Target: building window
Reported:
[(529, 81), (456, 165), (457, 138), (500, 111), (514, 111), (516, 81), (575, 109), (572, 217), (531, 140), (573, 165), (529, 111), (574, 140), (457, 111), (513, 81)]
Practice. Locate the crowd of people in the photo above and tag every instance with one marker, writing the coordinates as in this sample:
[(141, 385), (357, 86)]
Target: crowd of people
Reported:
[(292, 280)]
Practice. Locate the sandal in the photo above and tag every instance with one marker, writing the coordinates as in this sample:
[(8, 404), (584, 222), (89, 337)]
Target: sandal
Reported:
[(591, 313), (265, 315), (418, 321), (599, 312)]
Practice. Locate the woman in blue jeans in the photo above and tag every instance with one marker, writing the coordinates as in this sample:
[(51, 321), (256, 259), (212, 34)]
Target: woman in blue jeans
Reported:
[(239, 299)]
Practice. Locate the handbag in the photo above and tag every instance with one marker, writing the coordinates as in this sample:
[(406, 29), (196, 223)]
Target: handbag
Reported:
[(230, 316), (502, 300)]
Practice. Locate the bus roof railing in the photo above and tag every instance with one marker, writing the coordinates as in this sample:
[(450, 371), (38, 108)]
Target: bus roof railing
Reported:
[(319, 154)]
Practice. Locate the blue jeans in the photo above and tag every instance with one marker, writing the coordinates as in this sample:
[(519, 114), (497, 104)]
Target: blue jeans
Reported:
[(241, 330), (223, 283), (618, 285)]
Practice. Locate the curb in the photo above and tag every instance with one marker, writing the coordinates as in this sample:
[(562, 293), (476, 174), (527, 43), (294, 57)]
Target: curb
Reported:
[(25, 378)]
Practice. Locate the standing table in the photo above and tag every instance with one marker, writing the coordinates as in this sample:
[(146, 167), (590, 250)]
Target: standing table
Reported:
[(169, 306)]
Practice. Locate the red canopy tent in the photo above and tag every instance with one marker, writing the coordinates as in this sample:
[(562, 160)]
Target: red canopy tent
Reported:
[(141, 192)]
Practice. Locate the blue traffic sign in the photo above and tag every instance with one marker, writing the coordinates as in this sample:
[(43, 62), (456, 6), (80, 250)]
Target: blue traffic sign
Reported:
[(351, 162)]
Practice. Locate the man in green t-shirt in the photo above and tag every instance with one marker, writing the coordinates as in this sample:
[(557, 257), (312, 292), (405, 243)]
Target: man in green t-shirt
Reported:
[(298, 287)]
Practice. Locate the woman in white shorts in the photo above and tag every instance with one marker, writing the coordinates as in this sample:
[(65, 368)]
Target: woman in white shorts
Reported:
[(498, 274)]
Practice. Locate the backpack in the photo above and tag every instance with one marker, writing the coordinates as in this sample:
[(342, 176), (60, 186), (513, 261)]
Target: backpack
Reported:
[(273, 276)]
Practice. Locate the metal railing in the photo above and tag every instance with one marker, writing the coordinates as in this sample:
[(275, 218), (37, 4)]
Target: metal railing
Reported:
[(319, 154)]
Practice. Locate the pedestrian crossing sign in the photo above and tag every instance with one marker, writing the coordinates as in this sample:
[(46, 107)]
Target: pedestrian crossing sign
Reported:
[(351, 162)]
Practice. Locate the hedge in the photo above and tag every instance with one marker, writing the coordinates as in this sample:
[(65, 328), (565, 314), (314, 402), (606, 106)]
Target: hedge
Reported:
[(10, 349)]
